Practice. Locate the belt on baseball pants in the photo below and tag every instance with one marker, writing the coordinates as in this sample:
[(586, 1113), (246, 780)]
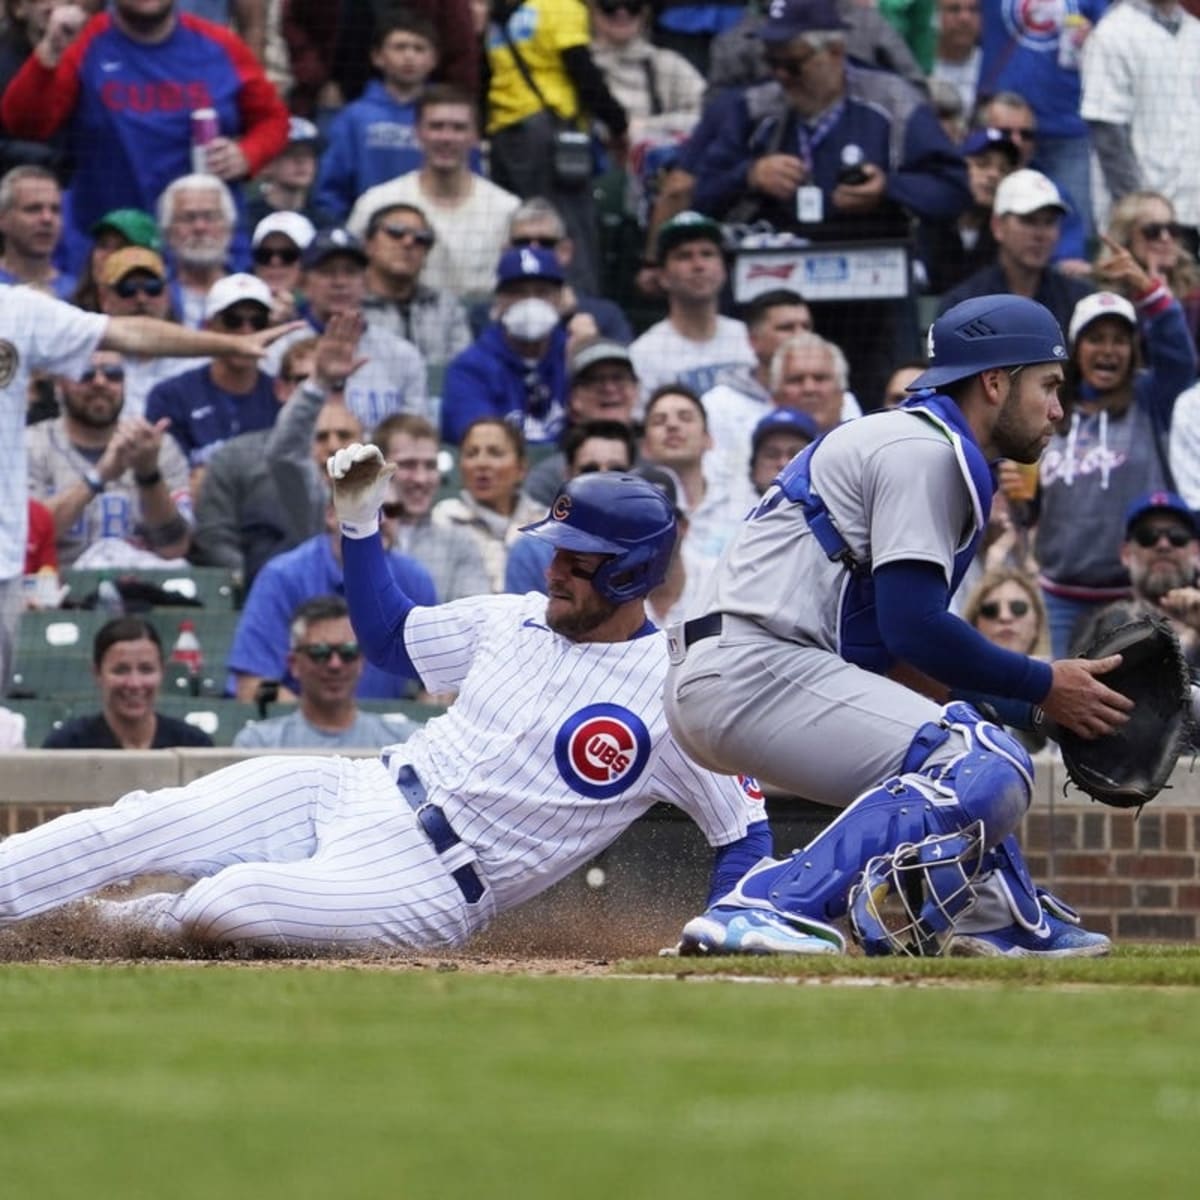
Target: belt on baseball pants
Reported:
[(701, 628), (440, 833)]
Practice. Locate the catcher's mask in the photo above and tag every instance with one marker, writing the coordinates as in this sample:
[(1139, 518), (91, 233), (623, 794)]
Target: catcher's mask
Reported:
[(619, 515), (906, 901)]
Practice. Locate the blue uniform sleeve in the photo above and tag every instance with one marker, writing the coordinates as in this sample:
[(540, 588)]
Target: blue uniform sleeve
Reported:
[(733, 861), (378, 606), (911, 601)]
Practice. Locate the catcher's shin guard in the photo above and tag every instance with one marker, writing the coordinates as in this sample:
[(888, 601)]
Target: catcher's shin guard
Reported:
[(988, 783)]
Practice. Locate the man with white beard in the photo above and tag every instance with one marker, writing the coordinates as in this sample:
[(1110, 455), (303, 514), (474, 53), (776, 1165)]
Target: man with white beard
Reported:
[(197, 215)]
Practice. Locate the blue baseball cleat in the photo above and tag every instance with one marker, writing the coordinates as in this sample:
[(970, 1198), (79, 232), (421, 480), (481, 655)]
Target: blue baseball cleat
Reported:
[(1054, 939), (726, 929)]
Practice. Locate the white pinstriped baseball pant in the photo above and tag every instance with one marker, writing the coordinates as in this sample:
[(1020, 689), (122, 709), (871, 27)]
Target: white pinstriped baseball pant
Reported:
[(304, 852)]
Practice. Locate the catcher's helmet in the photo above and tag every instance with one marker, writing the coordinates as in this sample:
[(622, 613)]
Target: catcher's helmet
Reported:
[(987, 332), (620, 515)]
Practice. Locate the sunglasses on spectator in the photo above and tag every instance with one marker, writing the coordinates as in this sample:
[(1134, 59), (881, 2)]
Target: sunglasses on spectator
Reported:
[(1150, 535), (1016, 135), (1153, 230), (992, 609), (320, 652), (128, 288), (611, 7), (112, 374), (543, 243), (257, 321), (400, 233), (264, 256)]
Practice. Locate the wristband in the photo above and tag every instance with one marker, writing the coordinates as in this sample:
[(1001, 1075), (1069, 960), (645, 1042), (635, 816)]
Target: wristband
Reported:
[(149, 479), (94, 482), (356, 530)]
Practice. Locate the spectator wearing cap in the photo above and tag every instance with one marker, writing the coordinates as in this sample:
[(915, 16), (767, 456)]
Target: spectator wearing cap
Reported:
[(694, 344), (212, 403), (276, 246), (391, 377), (374, 138), (776, 440), (31, 223), (469, 214), (1026, 217), (197, 215), (287, 182), (114, 231), (817, 117), (587, 446), (398, 301), (132, 282), (1110, 446), (516, 369), (1014, 116), (953, 250), (1161, 552), (601, 387)]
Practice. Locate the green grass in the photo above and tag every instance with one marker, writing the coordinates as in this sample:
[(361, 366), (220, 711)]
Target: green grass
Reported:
[(226, 1081)]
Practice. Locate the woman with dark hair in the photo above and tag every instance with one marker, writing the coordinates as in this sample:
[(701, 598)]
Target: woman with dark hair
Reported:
[(127, 662), (1110, 446), (491, 506)]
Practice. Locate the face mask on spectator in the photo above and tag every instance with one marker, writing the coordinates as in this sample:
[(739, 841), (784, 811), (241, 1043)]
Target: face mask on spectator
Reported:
[(530, 320)]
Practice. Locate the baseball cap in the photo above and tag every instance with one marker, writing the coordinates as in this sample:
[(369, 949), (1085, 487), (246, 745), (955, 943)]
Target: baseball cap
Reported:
[(235, 289), (598, 350), (687, 227), (331, 242), (980, 141), (787, 19), (1024, 192), (131, 258), (303, 132), (293, 225), (789, 420), (1169, 502), (1100, 304), (138, 227), (528, 262)]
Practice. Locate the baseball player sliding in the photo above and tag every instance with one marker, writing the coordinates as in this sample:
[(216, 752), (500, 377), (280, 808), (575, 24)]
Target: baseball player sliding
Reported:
[(556, 743), (832, 597)]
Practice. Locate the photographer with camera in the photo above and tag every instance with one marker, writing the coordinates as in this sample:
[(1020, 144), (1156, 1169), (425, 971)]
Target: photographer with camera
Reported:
[(544, 86)]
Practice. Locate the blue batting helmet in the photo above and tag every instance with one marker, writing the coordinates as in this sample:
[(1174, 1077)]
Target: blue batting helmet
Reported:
[(988, 332), (620, 515)]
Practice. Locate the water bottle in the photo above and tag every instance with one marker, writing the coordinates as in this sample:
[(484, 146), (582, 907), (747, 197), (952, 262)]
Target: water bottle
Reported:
[(187, 651)]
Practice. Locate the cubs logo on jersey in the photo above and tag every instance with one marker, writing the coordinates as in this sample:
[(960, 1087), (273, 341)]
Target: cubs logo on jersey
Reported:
[(1036, 24), (601, 750), (751, 788)]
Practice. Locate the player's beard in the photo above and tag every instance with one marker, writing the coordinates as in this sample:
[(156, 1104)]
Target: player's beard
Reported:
[(1011, 439), (581, 620)]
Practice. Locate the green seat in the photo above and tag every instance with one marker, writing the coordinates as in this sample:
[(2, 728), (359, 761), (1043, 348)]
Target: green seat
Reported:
[(52, 676), (41, 716), (217, 588), (413, 709), (221, 719), (59, 630)]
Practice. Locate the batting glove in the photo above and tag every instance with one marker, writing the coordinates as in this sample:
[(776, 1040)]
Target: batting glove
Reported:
[(360, 483)]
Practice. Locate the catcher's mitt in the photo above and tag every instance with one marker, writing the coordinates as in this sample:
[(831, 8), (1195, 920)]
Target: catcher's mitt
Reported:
[(1127, 768)]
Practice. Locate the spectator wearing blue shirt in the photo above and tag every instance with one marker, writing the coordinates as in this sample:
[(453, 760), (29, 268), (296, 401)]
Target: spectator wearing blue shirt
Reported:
[(32, 223), (374, 139), (210, 404), (517, 369), (314, 568)]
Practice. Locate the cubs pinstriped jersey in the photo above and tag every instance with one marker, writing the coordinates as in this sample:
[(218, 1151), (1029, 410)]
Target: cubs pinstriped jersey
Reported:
[(553, 747)]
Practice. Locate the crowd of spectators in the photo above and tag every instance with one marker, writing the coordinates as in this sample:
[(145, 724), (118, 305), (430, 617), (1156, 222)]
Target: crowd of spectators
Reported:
[(513, 241)]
